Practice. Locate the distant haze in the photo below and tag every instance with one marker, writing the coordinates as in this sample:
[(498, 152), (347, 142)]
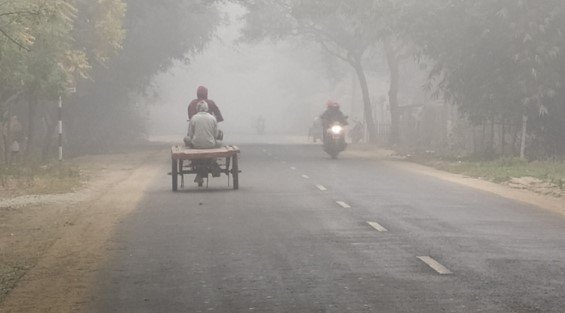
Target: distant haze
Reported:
[(245, 80)]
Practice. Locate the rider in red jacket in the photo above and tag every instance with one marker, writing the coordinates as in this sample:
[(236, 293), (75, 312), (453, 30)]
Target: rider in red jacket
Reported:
[(202, 94)]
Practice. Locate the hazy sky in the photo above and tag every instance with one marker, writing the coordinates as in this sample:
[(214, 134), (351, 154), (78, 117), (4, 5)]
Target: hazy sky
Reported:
[(245, 80), (287, 83)]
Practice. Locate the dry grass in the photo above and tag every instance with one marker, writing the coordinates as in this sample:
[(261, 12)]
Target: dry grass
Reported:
[(21, 180), (503, 170)]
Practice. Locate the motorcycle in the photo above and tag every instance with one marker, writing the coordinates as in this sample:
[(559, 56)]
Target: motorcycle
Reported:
[(334, 140)]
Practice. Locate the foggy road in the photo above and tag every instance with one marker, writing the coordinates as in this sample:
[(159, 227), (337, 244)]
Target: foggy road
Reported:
[(93, 94), (309, 234)]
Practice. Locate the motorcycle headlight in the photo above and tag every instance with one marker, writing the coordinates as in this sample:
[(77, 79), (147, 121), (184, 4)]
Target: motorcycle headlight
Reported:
[(336, 129)]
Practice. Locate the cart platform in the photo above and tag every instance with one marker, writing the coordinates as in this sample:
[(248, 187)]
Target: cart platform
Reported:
[(185, 161), (185, 153)]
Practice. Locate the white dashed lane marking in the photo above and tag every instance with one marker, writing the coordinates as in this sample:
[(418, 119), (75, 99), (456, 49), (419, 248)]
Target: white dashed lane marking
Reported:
[(377, 226), (435, 265), (305, 176), (322, 188), (293, 168), (343, 204)]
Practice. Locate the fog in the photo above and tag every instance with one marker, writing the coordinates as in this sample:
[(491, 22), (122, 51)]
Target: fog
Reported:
[(423, 75), (287, 83)]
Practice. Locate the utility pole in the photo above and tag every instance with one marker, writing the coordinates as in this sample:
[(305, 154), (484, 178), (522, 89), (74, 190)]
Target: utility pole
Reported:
[(60, 129), (70, 91), (523, 139)]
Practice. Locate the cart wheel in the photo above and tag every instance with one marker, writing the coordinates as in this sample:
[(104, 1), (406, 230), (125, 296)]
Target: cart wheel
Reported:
[(235, 172), (174, 174)]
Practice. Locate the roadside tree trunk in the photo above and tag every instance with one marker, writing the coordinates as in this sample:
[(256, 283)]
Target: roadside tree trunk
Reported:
[(492, 143), (367, 107), (50, 126), (503, 137), (32, 112), (523, 139), (6, 124), (394, 67), (6, 129)]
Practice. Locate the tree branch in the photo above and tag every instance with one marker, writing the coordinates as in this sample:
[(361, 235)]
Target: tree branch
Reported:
[(3, 3), (335, 54), (19, 13), (13, 40)]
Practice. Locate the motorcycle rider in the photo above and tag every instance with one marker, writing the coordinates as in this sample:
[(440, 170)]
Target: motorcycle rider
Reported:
[(331, 115)]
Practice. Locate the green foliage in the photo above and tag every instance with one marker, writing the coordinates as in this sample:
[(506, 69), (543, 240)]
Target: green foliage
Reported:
[(496, 59), (46, 48), (344, 29), (38, 41), (159, 33), (40, 51), (100, 28)]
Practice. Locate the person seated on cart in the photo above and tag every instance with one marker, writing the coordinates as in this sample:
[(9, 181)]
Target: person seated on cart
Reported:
[(202, 95), (203, 132)]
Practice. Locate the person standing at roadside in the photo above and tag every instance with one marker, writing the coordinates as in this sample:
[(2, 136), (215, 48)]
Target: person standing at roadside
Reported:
[(13, 132)]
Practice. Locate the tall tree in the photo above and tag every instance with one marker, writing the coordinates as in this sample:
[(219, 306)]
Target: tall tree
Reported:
[(105, 112), (497, 59), (45, 47), (344, 29)]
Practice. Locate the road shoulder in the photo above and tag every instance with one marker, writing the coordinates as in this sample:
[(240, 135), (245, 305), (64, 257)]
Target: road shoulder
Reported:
[(51, 251), (546, 202)]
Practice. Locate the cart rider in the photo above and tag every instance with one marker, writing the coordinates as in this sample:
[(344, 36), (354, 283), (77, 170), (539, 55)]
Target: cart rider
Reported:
[(202, 95), (203, 132)]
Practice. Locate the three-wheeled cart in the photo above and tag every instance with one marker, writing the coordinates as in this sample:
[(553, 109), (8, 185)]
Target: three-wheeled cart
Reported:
[(186, 161)]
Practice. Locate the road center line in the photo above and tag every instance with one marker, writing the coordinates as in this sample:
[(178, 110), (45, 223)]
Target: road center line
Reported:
[(377, 226), (343, 204), (322, 188), (305, 176), (435, 265)]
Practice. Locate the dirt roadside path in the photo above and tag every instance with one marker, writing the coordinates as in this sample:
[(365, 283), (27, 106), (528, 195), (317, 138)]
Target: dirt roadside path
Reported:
[(43, 248)]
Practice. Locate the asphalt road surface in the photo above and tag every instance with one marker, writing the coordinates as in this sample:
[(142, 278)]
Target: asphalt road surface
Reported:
[(296, 237)]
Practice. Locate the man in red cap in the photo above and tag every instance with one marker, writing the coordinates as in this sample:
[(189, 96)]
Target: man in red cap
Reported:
[(202, 95), (333, 114)]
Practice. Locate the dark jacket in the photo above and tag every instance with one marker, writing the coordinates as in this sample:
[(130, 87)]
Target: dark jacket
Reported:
[(333, 114), (202, 94)]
